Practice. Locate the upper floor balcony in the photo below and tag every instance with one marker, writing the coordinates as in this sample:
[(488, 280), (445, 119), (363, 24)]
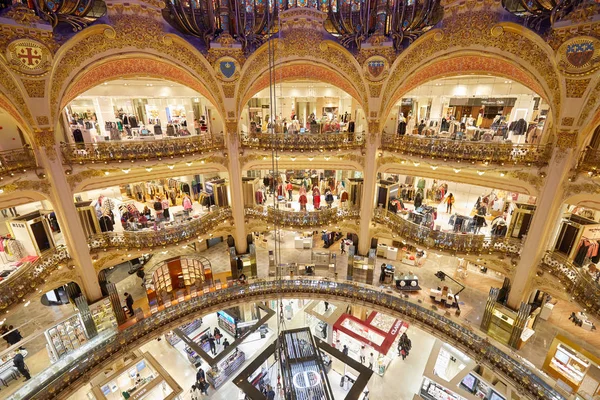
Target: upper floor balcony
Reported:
[(30, 274), (589, 161), (140, 150), (16, 161), (303, 219), (303, 142), (466, 151), (160, 235), (454, 242)]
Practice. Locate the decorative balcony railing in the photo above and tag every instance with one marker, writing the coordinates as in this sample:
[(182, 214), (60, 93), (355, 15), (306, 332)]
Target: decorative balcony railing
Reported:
[(126, 150), (447, 241), (466, 151), (29, 275), (582, 286), (16, 161), (303, 219), (164, 236), (303, 142), (589, 162), (449, 330)]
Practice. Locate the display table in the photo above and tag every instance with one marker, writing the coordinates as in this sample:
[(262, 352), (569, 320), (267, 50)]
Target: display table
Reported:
[(546, 311), (443, 296), (381, 250), (585, 321), (303, 242), (407, 282), (391, 253)]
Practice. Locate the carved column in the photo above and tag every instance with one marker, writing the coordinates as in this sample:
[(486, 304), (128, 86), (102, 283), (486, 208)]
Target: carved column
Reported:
[(235, 187), (547, 213), (66, 213), (369, 185)]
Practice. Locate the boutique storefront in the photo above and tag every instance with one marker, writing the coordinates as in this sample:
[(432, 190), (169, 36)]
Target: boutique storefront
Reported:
[(473, 108), (139, 109)]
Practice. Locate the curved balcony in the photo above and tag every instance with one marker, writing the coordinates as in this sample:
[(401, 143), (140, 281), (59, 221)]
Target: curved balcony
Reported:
[(139, 150), (16, 161), (577, 282), (164, 236), (589, 162), (25, 279), (303, 219), (57, 383), (466, 151), (303, 142), (447, 241)]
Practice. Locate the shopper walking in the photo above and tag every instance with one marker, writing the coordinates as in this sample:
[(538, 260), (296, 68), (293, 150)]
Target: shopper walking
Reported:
[(217, 335), (345, 350), (343, 246), (141, 274), (449, 202), (371, 361), (203, 385), (129, 303), (225, 344), (363, 354), (20, 364), (326, 306), (213, 346), (270, 393), (195, 393), (200, 375)]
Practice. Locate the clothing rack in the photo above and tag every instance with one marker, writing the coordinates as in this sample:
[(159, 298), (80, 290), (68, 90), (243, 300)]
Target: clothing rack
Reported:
[(588, 249)]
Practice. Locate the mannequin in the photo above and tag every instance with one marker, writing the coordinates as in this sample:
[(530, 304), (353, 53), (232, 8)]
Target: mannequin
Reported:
[(316, 198), (410, 123)]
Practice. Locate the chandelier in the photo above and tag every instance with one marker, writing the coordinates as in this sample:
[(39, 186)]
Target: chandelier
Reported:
[(76, 13), (251, 22), (540, 15)]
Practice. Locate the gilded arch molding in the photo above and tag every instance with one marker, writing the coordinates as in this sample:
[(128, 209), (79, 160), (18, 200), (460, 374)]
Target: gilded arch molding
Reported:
[(13, 101), (454, 65), (304, 48), (129, 34), (133, 65), (468, 33)]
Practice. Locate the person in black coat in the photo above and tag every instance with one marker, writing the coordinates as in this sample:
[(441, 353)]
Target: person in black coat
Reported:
[(200, 375), (20, 364), (129, 303)]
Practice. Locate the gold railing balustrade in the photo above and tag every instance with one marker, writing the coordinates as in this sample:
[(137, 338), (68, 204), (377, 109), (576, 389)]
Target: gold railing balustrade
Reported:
[(16, 161), (303, 142), (466, 151), (163, 236), (303, 219), (136, 150)]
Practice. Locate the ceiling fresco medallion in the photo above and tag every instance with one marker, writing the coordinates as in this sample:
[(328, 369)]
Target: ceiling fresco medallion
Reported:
[(579, 56), (227, 68), (376, 68), (28, 57)]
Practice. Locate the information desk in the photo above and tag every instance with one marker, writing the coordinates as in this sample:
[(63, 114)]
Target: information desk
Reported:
[(225, 368)]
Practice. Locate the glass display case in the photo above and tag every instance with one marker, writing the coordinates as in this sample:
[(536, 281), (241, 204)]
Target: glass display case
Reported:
[(66, 336), (103, 315), (431, 390)]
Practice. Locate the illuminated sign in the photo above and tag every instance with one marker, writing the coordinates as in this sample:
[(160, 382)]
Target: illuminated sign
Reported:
[(306, 381)]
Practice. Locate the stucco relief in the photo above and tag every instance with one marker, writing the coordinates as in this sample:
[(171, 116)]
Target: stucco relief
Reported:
[(576, 87)]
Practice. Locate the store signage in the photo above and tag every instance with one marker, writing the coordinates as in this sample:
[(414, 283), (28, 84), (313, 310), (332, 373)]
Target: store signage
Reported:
[(407, 102), (490, 101), (141, 393), (396, 327), (306, 382)]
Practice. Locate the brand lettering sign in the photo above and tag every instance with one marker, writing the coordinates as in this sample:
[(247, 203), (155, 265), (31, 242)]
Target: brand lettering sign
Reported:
[(306, 379), (396, 327)]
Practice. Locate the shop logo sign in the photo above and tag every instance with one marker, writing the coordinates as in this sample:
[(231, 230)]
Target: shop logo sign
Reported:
[(227, 68), (306, 382), (579, 54)]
